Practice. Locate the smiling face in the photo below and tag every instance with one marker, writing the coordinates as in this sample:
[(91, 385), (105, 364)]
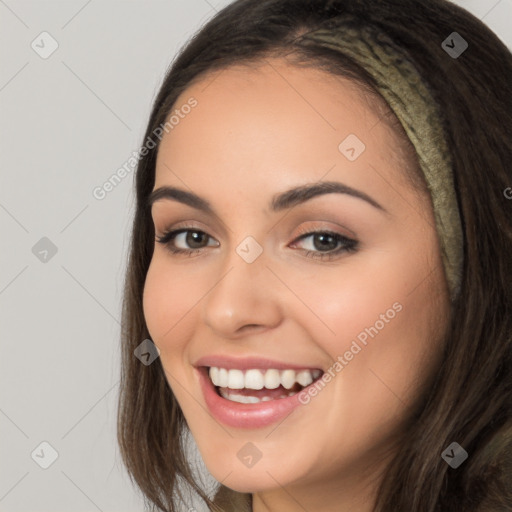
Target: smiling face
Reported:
[(344, 280)]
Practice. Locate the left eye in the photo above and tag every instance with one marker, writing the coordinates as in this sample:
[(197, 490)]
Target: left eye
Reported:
[(321, 244), (326, 244), (323, 241)]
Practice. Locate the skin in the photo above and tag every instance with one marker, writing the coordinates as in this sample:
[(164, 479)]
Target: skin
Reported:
[(258, 131)]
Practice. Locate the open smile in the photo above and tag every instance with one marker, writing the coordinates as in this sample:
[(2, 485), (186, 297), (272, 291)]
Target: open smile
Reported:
[(260, 385), (253, 394)]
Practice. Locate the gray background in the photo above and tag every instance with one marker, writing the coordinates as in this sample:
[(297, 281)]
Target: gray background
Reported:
[(68, 122)]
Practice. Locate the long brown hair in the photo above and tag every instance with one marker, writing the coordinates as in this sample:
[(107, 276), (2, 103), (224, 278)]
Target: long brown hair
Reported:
[(470, 400)]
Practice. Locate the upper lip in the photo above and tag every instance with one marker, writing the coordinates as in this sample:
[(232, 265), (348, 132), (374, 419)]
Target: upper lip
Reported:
[(246, 363)]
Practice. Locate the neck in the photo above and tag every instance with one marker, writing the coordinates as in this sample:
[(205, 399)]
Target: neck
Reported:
[(347, 493)]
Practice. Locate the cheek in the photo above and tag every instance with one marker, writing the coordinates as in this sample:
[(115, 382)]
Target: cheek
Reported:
[(364, 293), (165, 301)]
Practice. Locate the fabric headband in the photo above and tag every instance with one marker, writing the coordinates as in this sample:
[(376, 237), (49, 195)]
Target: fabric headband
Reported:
[(405, 92)]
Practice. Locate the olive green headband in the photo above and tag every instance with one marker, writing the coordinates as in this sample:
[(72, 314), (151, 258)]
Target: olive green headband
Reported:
[(404, 90)]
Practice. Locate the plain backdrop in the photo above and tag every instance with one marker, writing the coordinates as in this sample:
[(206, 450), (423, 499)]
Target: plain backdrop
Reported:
[(68, 122)]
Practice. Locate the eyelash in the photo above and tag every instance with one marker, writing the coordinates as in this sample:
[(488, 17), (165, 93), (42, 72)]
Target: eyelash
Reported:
[(349, 245)]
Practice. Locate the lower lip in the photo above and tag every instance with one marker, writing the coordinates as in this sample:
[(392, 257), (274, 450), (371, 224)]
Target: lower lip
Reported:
[(239, 415)]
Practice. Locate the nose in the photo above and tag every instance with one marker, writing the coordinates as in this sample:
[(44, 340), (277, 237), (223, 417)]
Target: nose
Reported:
[(245, 299)]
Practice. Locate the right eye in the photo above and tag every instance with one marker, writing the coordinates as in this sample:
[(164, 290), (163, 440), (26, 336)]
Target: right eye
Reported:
[(193, 238)]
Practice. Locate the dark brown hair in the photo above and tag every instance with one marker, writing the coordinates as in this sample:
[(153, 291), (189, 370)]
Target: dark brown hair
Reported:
[(470, 399)]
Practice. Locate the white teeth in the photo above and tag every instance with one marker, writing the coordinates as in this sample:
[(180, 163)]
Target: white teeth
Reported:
[(259, 379), (288, 378), (241, 399), (272, 379), (214, 374), (245, 399), (304, 378), (236, 379), (223, 377), (254, 379)]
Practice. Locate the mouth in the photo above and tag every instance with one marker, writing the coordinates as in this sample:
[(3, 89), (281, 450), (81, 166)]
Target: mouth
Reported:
[(255, 385)]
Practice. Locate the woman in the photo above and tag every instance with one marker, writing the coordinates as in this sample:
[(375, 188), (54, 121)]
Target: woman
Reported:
[(321, 254)]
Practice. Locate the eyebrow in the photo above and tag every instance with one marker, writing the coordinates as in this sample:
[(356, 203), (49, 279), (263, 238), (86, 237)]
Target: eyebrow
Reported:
[(279, 202)]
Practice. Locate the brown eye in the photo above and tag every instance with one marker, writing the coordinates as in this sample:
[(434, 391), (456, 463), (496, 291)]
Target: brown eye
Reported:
[(195, 239), (326, 244), (190, 240), (324, 241)]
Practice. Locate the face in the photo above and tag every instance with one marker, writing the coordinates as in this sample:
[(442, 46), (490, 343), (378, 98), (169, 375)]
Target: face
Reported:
[(341, 282)]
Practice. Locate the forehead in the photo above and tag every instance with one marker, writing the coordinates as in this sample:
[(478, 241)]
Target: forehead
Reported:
[(272, 123)]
